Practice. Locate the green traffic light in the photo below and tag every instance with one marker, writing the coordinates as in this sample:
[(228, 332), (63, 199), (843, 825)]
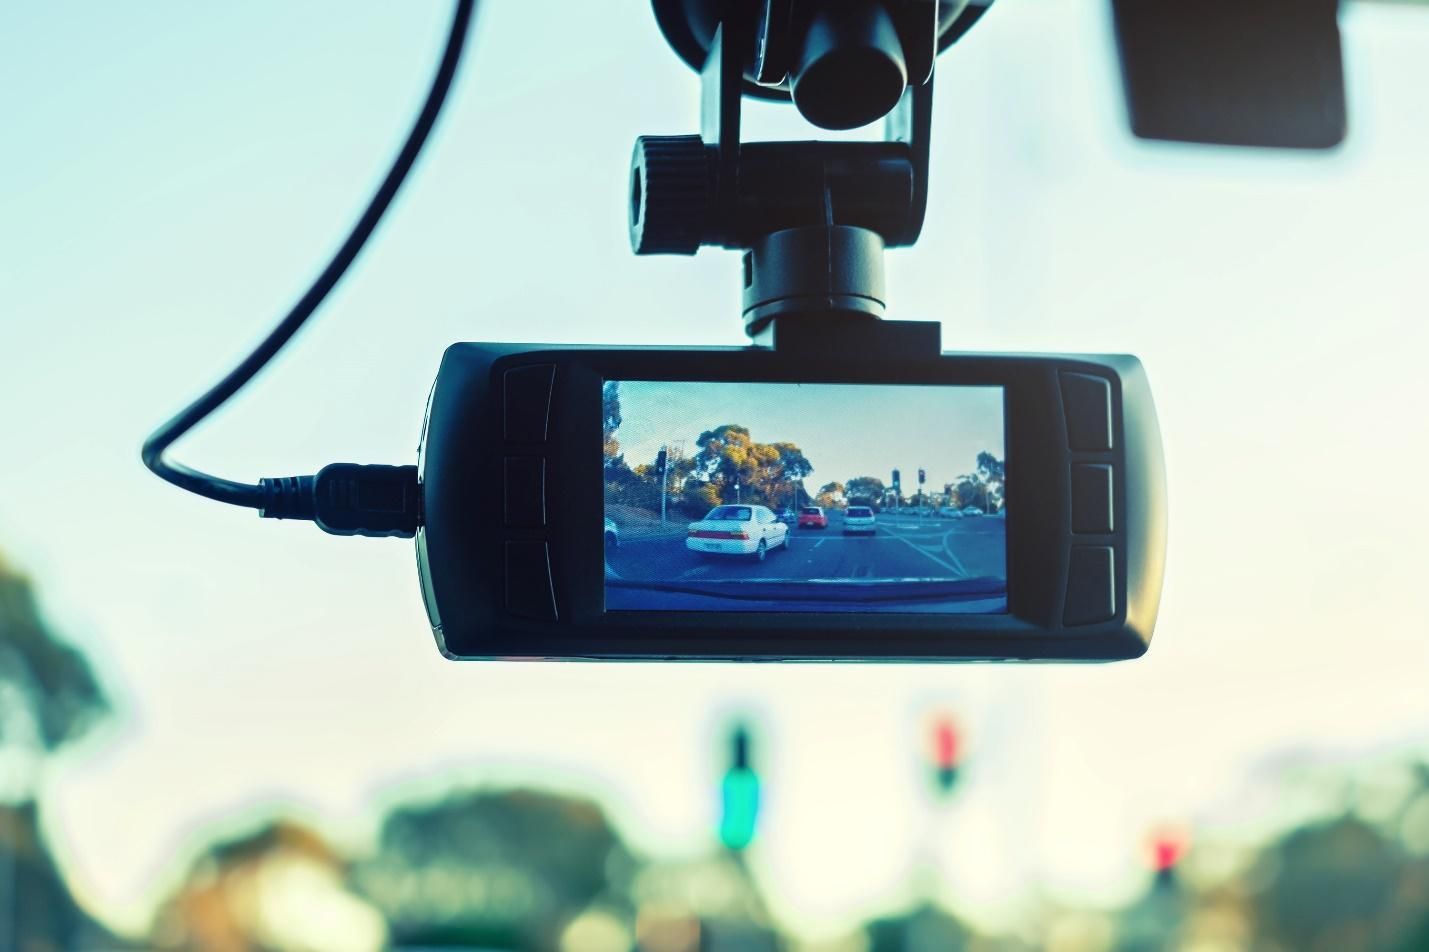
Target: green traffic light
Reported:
[(741, 808)]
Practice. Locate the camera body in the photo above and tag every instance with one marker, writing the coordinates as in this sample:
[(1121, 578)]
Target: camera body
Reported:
[(731, 503), (519, 487)]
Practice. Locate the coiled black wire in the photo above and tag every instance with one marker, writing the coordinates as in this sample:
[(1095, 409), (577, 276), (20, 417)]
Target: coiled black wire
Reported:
[(243, 494)]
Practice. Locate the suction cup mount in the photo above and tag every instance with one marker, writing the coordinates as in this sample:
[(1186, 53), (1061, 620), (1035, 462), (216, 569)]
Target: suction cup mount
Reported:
[(812, 217)]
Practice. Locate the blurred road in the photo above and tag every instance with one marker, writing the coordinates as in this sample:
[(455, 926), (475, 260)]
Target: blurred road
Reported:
[(903, 547)]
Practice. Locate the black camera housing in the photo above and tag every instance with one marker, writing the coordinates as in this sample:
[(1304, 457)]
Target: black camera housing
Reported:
[(511, 551)]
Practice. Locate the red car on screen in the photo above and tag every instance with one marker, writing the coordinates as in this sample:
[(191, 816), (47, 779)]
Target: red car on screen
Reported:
[(812, 517)]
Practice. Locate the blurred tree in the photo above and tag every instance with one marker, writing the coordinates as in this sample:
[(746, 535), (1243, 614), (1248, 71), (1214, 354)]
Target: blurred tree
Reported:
[(1334, 885), (48, 694), (830, 495), (281, 887), (37, 912), (48, 698), (505, 868)]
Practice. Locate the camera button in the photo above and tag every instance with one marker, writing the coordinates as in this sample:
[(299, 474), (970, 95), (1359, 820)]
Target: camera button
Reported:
[(1086, 399), (527, 402), (1091, 586), (529, 592), (1091, 498), (525, 491)]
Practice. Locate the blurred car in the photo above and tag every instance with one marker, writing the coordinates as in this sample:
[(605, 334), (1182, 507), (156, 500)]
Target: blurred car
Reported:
[(950, 513), (813, 517), (738, 530), (971, 511), (787, 517), (612, 534), (1001, 513), (859, 519)]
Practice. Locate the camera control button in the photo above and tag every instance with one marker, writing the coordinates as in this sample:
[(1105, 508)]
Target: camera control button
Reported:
[(1091, 586), (1091, 498), (529, 592), (525, 491), (1087, 402), (527, 402)]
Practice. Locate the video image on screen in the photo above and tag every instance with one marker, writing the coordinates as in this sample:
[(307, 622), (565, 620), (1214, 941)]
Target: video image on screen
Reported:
[(784, 497)]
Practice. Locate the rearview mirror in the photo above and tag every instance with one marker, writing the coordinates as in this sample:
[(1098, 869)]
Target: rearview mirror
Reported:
[(1233, 72)]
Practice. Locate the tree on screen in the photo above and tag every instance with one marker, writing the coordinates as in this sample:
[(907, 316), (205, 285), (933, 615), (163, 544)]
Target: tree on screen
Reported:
[(865, 490), (830, 495), (610, 422), (992, 477), (989, 467), (739, 468), (793, 467)]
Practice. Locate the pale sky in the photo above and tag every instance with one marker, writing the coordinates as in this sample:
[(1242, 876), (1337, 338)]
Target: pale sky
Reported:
[(845, 430), (173, 175)]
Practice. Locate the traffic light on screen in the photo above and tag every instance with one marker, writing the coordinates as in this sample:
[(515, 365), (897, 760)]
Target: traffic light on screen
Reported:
[(661, 459), (739, 794)]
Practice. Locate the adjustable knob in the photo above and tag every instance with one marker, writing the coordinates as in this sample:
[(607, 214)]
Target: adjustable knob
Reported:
[(671, 190)]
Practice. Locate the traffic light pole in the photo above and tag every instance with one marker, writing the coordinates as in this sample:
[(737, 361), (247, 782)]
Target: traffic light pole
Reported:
[(664, 480)]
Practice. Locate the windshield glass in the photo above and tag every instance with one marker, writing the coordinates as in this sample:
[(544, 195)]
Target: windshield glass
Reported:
[(223, 733)]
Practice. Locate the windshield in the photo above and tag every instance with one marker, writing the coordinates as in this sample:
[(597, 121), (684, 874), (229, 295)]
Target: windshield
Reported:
[(220, 733), (859, 512), (811, 511)]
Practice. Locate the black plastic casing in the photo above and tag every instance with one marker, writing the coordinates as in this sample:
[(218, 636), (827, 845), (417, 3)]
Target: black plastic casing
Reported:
[(499, 591)]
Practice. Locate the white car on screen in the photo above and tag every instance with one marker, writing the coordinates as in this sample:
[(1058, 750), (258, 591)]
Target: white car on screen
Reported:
[(859, 519), (738, 530)]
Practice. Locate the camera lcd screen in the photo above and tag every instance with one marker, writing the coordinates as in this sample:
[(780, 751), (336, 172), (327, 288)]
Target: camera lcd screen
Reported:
[(787, 497)]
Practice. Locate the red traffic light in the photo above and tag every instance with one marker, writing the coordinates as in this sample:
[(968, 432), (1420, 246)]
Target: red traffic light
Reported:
[(947, 742), (1166, 846), (947, 752)]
